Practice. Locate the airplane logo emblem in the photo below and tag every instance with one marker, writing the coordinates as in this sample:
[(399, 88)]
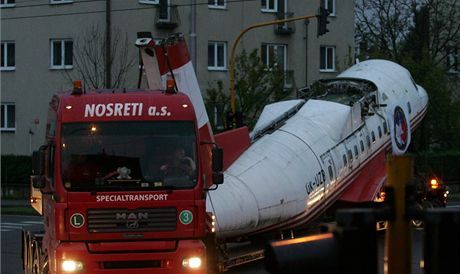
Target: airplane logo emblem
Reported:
[(400, 128)]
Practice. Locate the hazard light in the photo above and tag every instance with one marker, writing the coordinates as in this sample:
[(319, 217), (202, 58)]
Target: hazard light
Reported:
[(170, 86), (434, 184), (77, 87)]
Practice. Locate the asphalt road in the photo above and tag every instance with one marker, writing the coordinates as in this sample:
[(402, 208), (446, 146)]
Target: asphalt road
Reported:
[(11, 226)]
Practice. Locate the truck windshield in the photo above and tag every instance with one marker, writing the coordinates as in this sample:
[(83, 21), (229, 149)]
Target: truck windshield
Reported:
[(118, 156)]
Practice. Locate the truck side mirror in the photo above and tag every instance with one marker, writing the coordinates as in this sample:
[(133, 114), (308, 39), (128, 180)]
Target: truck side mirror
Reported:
[(38, 167), (38, 181), (217, 159), (217, 165)]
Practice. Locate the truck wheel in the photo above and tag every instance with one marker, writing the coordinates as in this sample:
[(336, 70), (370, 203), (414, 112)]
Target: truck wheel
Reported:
[(27, 253), (36, 261)]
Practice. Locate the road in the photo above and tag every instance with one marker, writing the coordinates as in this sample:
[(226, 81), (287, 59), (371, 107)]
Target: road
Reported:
[(11, 226)]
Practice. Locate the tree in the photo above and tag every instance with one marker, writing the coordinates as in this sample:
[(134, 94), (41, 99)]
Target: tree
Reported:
[(89, 64), (256, 85), (385, 26), (418, 34)]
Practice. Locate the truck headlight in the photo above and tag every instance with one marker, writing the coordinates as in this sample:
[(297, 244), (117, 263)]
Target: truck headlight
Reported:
[(71, 266), (192, 262)]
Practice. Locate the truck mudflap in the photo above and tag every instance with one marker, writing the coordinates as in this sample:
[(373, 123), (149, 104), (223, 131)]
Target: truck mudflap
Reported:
[(182, 258)]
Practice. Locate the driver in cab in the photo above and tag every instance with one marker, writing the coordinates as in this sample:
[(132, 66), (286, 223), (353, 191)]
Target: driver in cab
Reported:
[(179, 165)]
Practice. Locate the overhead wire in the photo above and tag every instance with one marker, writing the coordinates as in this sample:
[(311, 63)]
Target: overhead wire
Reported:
[(98, 11)]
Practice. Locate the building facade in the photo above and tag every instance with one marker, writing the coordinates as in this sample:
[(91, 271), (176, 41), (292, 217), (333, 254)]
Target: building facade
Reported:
[(42, 45)]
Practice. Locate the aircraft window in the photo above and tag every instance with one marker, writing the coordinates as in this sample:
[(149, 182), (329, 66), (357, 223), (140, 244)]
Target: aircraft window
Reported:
[(380, 132), (368, 141), (330, 172), (362, 145), (344, 160), (350, 155), (385, 127), (373, 136), (356, 152), (409, 108)]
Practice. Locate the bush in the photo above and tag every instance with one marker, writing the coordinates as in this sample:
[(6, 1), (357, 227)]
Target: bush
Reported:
[(16, 170)]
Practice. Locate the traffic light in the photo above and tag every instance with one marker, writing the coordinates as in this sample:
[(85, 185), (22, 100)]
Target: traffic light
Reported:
[(322, 21)]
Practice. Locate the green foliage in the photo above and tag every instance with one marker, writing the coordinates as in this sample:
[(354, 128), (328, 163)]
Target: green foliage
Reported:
[(16, 169), (256, 85), (216, 100)]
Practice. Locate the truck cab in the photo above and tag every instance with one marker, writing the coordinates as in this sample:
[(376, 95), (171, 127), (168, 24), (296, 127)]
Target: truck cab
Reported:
[(121, 183)]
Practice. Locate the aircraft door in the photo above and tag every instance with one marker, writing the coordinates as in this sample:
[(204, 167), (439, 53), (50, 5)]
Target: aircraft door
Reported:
[(330, 171), (352, 152)]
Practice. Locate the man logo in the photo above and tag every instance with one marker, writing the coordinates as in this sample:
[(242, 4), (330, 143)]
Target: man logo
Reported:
[(132, 219)]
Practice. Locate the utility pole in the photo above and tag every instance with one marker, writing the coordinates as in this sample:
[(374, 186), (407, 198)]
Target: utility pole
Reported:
[(108, 44), (307, 23), (193, 33)]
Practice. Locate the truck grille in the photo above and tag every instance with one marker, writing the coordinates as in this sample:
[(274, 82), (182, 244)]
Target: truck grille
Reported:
[(138, 220)]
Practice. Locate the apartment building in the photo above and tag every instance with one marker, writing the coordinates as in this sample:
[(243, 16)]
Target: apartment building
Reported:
[(41, 42)]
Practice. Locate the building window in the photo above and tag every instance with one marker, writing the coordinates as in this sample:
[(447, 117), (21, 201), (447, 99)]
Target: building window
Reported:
[(274, 55), (385, 127), (217, 55), (60, 1), (452, 60), (329, 5), (8, 113), (327, 59), (217, 4), (269, 5), (8, 56), (7, 3), (151, 2), (61, 54)]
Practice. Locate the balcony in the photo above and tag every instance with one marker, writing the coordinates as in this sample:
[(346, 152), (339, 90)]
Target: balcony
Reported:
[(167, 17), (285, 28)]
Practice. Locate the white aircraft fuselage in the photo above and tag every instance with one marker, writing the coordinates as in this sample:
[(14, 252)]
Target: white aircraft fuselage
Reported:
[(306, 155)]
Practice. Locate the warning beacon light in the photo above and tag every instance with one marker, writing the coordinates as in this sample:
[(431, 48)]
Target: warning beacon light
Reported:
[(77, 87), (170, 86)]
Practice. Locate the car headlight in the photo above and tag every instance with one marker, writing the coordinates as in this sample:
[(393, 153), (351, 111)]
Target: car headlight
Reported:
[(192, 262), (71, 266)]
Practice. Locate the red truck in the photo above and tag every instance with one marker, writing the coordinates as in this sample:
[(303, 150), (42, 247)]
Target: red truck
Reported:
[(113, 197)]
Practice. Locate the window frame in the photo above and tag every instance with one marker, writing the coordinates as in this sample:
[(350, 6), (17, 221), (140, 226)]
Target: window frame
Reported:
[(60, 2), (326, 69), (216, 5), (325, 4), (62, 65), (267, 8), (215, 66), (5, 56), (266, 62), (4, 118), (149, 2), (8, 5)]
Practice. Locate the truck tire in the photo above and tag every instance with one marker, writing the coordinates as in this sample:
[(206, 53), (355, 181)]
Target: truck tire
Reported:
[(27, 252), (36, 260)]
